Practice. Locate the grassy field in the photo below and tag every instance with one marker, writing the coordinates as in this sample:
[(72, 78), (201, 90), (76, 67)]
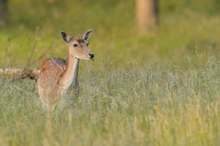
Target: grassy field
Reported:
[(156, 104), (154, 89)]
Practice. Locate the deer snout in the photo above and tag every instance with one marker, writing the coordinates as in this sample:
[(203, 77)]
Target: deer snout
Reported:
[(91, 55)]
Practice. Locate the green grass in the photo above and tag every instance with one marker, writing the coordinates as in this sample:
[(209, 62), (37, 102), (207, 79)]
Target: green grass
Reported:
[(154, 89), (183, 29), (156, 104)]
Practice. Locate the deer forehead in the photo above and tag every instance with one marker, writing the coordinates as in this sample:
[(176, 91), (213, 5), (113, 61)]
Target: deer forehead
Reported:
[(77, 41)]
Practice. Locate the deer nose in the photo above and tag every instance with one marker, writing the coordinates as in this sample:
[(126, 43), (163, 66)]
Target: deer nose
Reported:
[(91, 55)]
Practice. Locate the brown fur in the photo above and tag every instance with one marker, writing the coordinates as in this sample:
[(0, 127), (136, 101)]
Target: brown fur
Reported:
[(51, 70)]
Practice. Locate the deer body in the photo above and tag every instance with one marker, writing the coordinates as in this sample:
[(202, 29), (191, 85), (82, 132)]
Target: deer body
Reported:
[(58, 75)]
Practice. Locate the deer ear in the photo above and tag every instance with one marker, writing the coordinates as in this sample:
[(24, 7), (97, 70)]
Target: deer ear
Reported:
[(65, 36), (87, 34)]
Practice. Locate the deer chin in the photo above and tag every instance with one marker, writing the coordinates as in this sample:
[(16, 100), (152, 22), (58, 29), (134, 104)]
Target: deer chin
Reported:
[(90, 58), (84, 58)]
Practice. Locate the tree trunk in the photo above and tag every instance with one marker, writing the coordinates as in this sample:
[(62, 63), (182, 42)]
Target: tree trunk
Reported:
[(147, 15), (3, 12)]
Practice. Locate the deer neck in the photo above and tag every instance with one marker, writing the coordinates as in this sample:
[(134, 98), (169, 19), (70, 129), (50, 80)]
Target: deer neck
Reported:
[(70, 76)]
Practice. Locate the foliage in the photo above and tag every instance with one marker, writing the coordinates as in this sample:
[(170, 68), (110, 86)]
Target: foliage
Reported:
[(183, 29)]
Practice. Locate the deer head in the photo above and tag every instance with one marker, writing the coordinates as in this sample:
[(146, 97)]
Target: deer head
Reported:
[(78, 47)]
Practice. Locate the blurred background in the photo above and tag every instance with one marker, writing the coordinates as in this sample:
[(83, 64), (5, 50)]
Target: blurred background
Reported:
[(124, 30)]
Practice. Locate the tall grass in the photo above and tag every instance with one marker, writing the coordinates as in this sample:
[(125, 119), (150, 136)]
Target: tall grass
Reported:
[(156, 104)]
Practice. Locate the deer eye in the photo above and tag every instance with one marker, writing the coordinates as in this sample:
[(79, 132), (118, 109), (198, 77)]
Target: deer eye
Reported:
[(87, 44), (75, 45)]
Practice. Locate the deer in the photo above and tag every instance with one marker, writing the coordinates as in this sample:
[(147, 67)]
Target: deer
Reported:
[(58, 75)]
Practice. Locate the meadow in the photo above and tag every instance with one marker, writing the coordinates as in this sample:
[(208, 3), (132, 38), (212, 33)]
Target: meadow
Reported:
[(154, 89)]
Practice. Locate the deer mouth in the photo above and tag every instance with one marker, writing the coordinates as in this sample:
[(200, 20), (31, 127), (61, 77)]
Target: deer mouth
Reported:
[(91, 56)]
